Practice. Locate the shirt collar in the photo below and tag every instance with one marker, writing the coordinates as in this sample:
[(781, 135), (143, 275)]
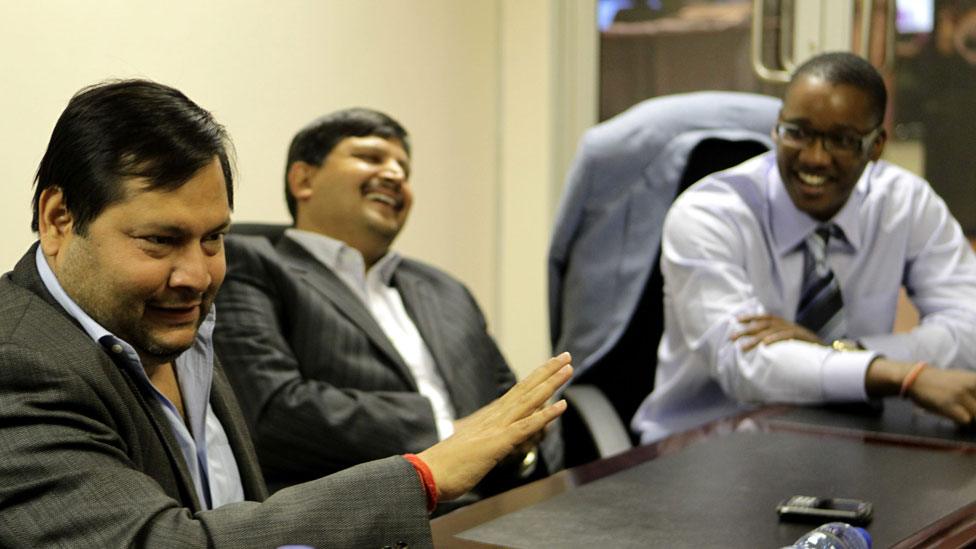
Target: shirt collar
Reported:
[(88, 324), (790, 226), (386, 266), (339, 256)]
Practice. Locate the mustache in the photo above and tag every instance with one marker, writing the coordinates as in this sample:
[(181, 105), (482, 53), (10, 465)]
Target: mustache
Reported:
[(384, 186), (185, 300)]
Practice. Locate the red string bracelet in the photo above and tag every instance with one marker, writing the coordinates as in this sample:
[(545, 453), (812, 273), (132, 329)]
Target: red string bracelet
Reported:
[(910, 378), (426, 478)]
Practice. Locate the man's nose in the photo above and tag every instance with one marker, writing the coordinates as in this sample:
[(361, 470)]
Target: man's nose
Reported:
[(191, 270), (815, 152), (393, 171)]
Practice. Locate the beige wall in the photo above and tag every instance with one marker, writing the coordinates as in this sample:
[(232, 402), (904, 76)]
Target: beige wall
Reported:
[(547, 99), (471, 79)]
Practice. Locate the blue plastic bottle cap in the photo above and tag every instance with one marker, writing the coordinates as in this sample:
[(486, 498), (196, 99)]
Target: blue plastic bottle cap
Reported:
[(866, 535)]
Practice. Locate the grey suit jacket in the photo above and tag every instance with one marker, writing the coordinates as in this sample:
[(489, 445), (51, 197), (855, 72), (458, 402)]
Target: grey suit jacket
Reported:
[(607, 230), (321, 385), (87, 458)]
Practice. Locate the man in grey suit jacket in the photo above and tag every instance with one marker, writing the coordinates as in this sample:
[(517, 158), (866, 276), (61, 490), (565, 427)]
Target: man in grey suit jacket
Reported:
[(342, 350), (117, 426), (607, 232)]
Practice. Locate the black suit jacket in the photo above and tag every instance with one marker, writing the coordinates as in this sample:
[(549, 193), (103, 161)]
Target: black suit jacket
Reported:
[(87, 458), (322, 386)]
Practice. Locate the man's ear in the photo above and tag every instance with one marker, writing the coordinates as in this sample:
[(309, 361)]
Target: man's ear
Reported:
[(874, 153), (300, 180), (772, 131), (55, 224)]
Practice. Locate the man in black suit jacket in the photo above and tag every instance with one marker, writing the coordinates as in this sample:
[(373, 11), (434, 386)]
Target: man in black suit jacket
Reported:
[(117, 427), (341, 350)]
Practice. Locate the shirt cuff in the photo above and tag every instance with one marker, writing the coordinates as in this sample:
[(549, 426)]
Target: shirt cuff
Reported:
[(843, 375)]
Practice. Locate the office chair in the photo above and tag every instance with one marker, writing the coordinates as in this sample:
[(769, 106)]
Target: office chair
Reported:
[(271, 231), (605, 284)]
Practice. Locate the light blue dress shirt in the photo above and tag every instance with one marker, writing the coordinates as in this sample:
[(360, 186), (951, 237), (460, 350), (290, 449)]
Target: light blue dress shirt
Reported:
[(733, 245), (204, 445)]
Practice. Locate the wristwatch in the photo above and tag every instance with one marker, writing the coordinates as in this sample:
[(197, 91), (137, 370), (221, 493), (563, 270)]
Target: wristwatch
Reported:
[(529, 462), (846, 345)]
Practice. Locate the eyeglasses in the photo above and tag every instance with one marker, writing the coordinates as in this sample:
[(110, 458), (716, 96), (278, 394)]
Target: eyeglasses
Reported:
[(799, 137)]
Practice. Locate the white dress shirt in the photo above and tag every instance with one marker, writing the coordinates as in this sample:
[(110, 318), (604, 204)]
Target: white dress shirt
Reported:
[(383, 300), (733, 245)]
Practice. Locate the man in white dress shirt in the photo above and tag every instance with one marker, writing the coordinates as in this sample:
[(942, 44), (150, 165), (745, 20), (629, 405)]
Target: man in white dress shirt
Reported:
[(782, 274), (342, 350)]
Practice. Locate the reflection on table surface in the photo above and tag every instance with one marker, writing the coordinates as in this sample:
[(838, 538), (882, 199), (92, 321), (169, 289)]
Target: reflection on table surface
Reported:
[(718, 485)]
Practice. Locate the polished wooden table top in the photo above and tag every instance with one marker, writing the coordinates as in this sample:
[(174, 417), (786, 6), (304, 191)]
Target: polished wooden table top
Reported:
[(718, 485)]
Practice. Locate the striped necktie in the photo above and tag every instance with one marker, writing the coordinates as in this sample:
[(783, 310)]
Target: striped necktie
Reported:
[(821, 308)]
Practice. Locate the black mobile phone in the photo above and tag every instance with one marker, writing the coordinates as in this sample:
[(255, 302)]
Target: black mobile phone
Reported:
[(820, 510)]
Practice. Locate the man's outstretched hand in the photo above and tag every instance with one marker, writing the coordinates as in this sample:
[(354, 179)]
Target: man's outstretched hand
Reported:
[(485, 437)]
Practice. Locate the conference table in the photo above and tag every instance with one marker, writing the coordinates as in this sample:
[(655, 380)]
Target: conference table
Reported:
[(718, 486)]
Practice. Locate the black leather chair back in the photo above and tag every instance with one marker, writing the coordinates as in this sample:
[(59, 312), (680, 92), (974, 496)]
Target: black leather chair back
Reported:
[(271, 231), (625, 375)]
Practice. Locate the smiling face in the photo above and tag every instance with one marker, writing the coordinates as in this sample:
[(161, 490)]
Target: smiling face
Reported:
[(360, 194), (820, 181), (148, 267)]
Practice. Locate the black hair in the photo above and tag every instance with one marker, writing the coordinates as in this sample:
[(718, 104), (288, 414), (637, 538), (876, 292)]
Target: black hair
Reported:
[(847, 68), (117, 130), (315, 141)]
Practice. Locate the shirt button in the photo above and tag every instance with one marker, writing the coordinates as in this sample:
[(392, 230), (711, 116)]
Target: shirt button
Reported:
[(117, 349)]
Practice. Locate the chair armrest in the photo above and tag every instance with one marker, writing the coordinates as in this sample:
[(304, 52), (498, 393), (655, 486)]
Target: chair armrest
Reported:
[(608, 432)]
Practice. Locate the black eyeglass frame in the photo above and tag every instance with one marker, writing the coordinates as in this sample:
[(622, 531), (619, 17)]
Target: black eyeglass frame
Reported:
[(832, 142)]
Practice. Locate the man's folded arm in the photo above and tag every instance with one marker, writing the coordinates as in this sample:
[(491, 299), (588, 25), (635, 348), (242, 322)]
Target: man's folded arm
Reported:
[(702, 264)]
